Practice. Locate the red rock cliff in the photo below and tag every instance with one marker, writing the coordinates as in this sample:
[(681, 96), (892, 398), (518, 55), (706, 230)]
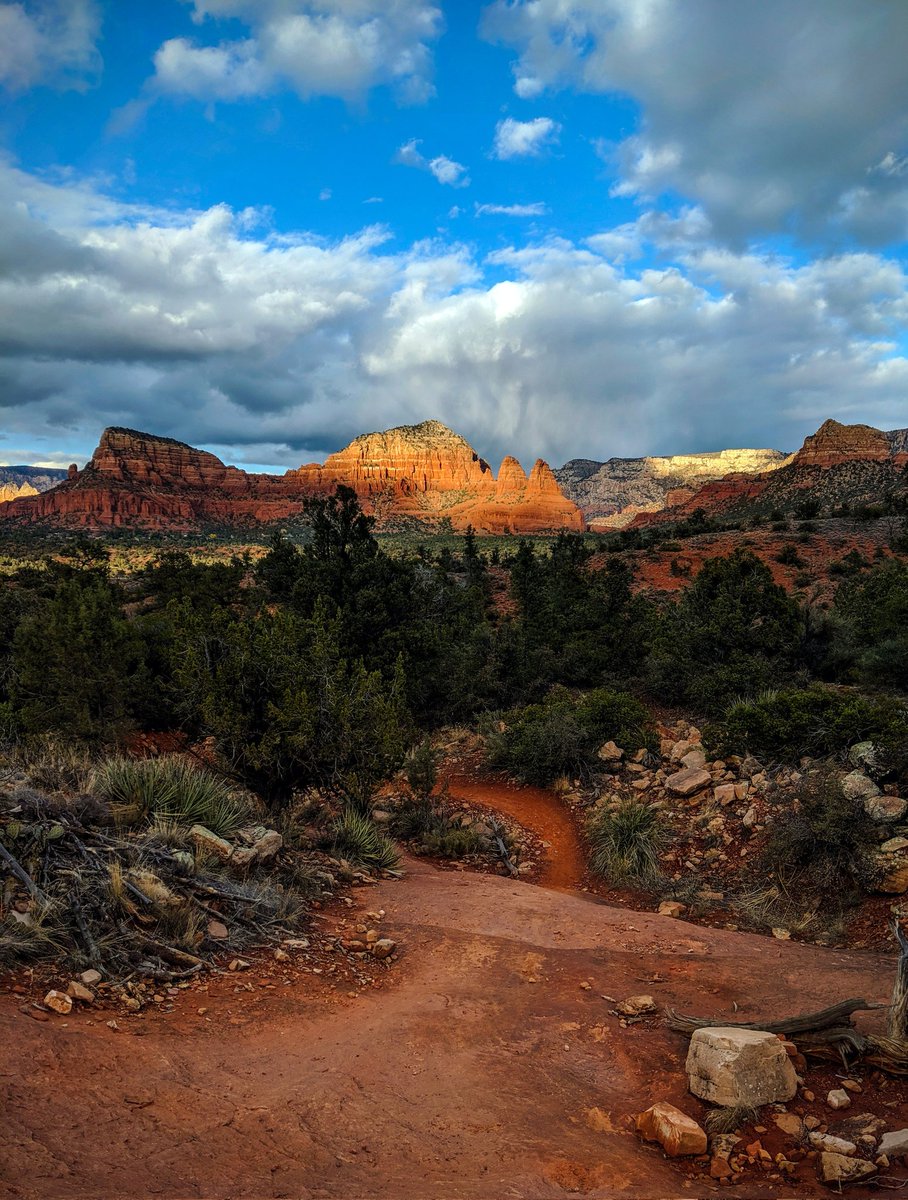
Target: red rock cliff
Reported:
[(425, 472)]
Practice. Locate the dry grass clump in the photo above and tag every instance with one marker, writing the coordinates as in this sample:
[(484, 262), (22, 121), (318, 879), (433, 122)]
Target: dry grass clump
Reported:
[(169, 789)]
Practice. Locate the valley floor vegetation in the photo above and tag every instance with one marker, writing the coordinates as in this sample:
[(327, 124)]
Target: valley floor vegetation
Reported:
[(305, 680)]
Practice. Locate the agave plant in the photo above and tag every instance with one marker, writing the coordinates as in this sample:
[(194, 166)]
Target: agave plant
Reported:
[(358, 839), (168, 789)]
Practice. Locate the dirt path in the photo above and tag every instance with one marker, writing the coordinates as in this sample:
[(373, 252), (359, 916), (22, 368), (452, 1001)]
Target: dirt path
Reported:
[(485, 1069), (539, 810)]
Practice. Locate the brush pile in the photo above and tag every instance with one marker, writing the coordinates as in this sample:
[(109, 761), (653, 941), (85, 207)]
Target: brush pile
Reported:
[(147, 869)]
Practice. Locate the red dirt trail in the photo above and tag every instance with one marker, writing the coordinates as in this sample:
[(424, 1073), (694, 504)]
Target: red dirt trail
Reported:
[(483, 1069), (538, 810)]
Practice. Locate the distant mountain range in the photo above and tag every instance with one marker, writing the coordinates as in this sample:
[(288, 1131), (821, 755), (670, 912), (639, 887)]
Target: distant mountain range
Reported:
[(27, 481), (428, 475), (422, 474)]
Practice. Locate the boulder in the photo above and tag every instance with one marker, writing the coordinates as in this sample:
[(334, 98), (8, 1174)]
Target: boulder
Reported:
[(677, 1133), (688, 781), (725, 794), (838, 1098), (731, 1067), (383, 948), (870, 758), (857, 786), (885, 809), (838, 1168), (266, 847), (894, 1144)]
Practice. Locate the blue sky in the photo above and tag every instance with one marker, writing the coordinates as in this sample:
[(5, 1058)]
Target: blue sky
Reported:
[(572, 228)]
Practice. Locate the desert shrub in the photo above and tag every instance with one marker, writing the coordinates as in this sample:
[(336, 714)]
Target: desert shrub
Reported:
[(170, 789), (823, 846), (421, 768), (561, 735), (788, 556), (733, 632), (870, 626), (21, 943), (432, 831), (815, 721), (358, 839), (56, 765), (625, 842)]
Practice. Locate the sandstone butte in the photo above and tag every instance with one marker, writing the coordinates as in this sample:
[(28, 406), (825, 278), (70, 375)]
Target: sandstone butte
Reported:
[(838, 462), (420, 472)]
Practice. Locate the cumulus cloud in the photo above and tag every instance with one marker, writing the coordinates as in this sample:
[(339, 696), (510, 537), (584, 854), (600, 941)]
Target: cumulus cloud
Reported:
[(445, 169), (520, 139), (275, 348), (54, 42), (511, 210), (773, 116), (313, 47)]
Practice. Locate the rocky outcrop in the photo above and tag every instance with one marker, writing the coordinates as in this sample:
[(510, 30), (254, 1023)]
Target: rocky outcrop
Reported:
[(839, 464), (611, 494), (422, 472), (12, 491)]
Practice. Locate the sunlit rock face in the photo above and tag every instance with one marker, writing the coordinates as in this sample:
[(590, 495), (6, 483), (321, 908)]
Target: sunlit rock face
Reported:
[(612, 493), (422, 472)]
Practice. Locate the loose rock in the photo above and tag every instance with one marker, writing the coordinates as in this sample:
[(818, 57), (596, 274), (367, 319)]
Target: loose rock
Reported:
[(688, 782), (59, 1002), (677, 1133), (838, 1168)]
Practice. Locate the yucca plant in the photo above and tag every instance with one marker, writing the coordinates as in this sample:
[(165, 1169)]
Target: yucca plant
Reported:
[(169, 789), (358, 839), (625, 842)]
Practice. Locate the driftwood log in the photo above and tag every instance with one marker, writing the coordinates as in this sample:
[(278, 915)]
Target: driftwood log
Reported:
[(836, 1017)]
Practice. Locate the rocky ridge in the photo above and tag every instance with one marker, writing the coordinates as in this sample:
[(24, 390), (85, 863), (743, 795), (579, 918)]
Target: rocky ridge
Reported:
[(16, 482), (612, 493), (424, 473), (839, 464)]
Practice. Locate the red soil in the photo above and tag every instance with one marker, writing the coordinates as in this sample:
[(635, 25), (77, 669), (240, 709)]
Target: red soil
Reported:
[(483, 1067)]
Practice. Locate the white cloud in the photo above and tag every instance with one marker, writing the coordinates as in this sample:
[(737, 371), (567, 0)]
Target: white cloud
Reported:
[(511, 210), (516, 139), (210, 327), (775, 116), (313, 47), (445, 169), (54, 42), (325, 194)]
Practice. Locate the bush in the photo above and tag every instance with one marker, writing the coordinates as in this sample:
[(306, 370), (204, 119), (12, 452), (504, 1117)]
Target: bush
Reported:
[(625, 842), (824, 847), (432, 831), (815, 721), (168, 789), (561, 735)]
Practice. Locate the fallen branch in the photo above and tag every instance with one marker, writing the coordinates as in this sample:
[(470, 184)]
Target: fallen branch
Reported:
[(23, 876), (838, 1015)]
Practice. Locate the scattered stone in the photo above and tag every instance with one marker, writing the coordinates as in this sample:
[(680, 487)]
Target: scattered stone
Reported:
[(851, 1085), (209, 843), (782, 935), (694, 760), (239, 964), (218, 930), (894, 845), (735, 1067), (636, 1006), (789, 1123), (688, 781), (265, 847), (281, 955), (59, 1002), (383, 948), (672, 908), (861, 1125), (78, 991), (677, 1133), (91, 977), (724, 794), (894, 1144), (838, 1098), (610, 752), (869, 758), (835, 1145), (838, 1168), (750, 818)]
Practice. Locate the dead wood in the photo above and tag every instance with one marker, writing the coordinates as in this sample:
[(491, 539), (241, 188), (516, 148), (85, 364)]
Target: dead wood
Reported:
[(827, 1019)]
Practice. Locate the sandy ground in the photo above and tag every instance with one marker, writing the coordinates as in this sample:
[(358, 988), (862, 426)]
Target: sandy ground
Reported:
[(482, 1068)]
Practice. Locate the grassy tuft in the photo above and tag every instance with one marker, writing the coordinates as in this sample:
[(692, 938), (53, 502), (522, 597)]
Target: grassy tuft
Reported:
[(169, 789), (625, 842), (359, 840)]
